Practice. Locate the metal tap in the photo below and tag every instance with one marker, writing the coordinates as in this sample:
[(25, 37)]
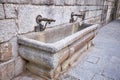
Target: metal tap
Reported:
[(40, 26), (78, 16)]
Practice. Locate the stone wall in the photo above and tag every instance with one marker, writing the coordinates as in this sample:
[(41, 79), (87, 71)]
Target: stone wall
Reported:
[(19, 16), (118, 10)]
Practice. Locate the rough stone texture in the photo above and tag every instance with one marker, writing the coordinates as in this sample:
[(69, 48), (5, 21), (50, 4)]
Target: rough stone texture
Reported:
[(19, 66), (11, 68), (10, 11), (14, 47), (7, 70), (43, 2), (28, 76), (80, 2), (5, 51), (2, 15), (8, 29), (59, 2), (93, 59), (69, 2), (15, 1)]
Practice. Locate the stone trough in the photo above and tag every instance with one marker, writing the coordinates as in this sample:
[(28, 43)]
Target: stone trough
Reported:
[(53, 51)]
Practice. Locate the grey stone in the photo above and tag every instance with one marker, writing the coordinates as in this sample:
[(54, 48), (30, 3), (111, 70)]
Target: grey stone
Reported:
[(10, 11), (14, 44), (69, 77), (5, 51), (70, 2), (59, 2), (93, 59), (8, 29), (15, 1), (100, 77), (43, 2), (7, 70), (19, 66), (2, 15), (80, 2)]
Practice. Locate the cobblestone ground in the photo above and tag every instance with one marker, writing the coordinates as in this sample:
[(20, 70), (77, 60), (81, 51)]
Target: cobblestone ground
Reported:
[(101, 62)]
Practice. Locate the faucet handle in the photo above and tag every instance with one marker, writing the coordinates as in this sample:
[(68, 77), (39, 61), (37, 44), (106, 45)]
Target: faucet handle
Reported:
[(38, 19)]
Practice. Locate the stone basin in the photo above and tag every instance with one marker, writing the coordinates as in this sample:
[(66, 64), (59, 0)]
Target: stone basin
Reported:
[(53, 51)]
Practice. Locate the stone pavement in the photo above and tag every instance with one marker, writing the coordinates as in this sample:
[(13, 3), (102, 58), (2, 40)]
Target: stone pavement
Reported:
[(101, 62)]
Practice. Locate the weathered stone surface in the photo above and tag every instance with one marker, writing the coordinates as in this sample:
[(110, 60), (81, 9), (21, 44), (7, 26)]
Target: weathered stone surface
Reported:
[(93, 59), (70, 2), (89, 37), (3, 72), (89, 44), (8, 29), (7, 70), (80, 2), (5, 51), (76, 46), (62, 55), (10, 70), (14, 44), (43, 2), (37, 56), (59, 2), (10, 11), (43, 72), (19, 66), (2, 15), (65, 65), (58, 71), (15, 1), (77, 55)]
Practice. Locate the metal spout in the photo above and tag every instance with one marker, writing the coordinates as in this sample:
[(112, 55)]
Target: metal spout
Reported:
[(42, 27), (82, 15)]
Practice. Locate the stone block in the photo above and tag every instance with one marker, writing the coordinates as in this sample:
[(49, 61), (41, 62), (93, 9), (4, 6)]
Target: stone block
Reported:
[(61, 56), (43, 2), (5, 51), (59, 2), (3, 72), (77, 55), (8, 29), (7, 70), (89, 37), (2, 15), (76, 46), (42, 58), (14, 43), (10, 70), (19, 66), (10, 11), (70, 2), (80, 2), (93, 59), (15, 1), (40, 71)]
